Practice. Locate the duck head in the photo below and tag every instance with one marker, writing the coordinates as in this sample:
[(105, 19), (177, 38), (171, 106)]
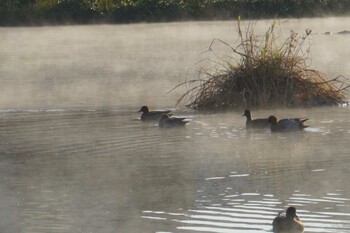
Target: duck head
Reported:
[(144, 109), (291, 212), (272, 120), (246, 113)]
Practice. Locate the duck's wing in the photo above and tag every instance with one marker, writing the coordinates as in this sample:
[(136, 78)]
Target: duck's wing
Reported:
[(154, 115), (300, 119), (150, 116), (158, 113), (278, 223), (259, 123), (301, 122), (178, 120), (288, 125), (174, 122)]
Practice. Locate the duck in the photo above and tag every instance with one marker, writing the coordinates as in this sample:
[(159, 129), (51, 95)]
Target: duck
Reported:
[(288, 222), (148, 115), (287, 125), (171, 122), (259, 123)]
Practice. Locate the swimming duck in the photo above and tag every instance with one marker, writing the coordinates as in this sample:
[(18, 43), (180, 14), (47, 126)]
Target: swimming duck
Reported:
[(288, 222), (148, 115), (256, 123), (170, 122), (286, 125)]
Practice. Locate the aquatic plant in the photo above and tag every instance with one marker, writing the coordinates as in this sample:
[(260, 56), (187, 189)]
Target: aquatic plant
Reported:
[(262, 73)]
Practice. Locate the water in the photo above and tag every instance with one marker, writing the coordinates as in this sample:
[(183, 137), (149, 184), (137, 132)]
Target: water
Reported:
[(75, 157)]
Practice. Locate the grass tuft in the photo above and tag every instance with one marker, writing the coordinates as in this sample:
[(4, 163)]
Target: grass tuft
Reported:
[(262, 73)]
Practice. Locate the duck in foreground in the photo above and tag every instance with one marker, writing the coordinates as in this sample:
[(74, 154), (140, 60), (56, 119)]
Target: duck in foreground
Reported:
[(288, 222), (148, 115), (260, 123), (170, 122), (286, 125)]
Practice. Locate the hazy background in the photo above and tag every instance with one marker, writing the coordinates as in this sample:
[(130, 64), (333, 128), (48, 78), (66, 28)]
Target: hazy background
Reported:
[(74, 156), (132, 65)]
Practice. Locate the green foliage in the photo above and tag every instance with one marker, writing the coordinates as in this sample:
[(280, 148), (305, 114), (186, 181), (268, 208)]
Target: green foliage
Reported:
[(51, 11)]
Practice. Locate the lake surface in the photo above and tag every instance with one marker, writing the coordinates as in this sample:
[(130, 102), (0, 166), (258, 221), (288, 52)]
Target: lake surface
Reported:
[(75, 157)]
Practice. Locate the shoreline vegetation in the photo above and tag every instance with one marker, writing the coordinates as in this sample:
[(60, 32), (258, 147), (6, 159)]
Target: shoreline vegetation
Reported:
[(261, 72), (60, 12)]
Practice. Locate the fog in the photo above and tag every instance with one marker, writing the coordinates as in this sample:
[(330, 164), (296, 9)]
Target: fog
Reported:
[(123, 65), (75, 157)]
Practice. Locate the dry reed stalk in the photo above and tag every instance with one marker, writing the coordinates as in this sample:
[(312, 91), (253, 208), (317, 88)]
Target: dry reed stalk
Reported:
[(267, 74)]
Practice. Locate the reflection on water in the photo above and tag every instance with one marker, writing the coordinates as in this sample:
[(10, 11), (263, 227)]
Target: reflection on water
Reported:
[(254, 212), (68, 169), (92, 170)]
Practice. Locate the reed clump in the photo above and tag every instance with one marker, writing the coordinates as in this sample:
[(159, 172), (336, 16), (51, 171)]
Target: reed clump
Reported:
[(262, 73)]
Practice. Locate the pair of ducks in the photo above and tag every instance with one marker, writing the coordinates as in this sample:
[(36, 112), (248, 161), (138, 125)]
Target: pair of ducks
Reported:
[(283, 125), (163, 118)]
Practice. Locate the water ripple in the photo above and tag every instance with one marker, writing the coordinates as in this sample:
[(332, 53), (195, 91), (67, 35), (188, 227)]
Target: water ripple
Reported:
[(243, 217)]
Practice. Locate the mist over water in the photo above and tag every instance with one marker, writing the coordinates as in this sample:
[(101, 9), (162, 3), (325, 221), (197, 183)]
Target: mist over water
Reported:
[(117, 65), (74, 156)]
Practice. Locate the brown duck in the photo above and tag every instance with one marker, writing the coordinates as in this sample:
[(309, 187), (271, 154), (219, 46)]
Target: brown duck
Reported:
[(148, 115), (260, 123), (288, 222), (287, 125)]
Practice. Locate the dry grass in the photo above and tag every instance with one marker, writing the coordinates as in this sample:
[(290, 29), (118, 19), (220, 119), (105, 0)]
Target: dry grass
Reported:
[(266, 73)]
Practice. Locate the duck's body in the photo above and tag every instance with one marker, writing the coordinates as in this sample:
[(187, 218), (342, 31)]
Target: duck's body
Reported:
[(260, 123), (287, 125), (287, 222), (171, 122), (148, 115)]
